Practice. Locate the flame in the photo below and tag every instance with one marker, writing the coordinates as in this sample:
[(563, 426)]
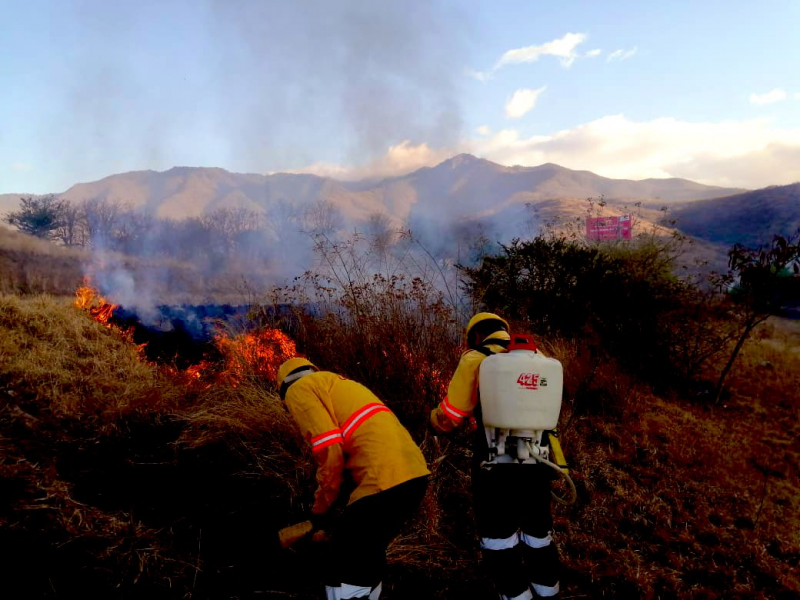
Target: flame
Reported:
[(196, 371), (89, 299), (258, 353)]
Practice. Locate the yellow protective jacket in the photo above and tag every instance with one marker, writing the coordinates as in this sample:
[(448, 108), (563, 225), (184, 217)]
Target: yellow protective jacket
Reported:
[(349, 428), (462, 393)]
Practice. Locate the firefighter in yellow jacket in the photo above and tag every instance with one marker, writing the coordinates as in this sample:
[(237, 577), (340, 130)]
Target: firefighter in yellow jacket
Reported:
[(511, 501), (350, 430)]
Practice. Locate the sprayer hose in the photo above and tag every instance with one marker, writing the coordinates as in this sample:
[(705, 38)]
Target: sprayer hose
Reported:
[(564, 475)]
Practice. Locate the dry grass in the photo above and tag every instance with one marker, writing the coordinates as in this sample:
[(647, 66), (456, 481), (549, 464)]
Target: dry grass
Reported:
[(71, 365), (685, 500), (118, 479), (30, 265)]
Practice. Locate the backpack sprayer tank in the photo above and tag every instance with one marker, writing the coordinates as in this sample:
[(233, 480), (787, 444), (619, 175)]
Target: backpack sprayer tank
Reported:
[(520, 400)]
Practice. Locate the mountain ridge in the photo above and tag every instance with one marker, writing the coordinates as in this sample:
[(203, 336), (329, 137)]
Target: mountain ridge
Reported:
[(474, 183)]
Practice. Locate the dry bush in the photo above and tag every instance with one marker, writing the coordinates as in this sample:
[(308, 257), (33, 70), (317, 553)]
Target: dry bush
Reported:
[(369, 318)]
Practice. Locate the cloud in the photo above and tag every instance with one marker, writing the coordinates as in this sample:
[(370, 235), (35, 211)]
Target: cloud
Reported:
[(484, 130), (750, 154), (797, 96), (593, 53), (563, 48), (21, 167), (400, 159), (522, 102), (622, 54), (771, 97), (731, 153)]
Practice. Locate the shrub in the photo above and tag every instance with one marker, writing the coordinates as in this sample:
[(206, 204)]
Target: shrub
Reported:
[(621, 301)]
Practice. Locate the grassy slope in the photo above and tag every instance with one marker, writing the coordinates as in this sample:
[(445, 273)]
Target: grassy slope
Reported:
[(119, 480), (114, 473)]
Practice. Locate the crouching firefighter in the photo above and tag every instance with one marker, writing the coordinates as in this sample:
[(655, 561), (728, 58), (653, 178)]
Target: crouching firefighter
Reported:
[(353, 433), (497, 380)]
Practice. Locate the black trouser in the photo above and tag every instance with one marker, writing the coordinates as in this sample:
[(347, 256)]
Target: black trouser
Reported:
[(366, 528), (512, 512)]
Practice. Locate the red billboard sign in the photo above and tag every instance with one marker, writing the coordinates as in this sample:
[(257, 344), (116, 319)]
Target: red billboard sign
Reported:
[(603, 229)]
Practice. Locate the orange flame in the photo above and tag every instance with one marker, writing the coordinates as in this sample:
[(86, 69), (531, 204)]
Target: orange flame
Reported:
[(259, 354), (90, 300)]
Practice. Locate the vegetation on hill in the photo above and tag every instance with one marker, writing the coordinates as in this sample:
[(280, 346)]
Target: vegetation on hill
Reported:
[(750, 218), (126, 479)]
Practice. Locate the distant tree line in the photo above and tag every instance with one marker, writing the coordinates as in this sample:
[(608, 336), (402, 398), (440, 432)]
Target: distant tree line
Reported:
[(113, 225)]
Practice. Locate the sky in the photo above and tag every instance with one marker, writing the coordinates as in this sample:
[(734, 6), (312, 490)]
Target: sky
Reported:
[(709, 91)]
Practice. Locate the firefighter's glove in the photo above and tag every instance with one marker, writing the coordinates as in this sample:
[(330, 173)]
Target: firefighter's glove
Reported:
[(320, 536), (289, 536), (440, 423)]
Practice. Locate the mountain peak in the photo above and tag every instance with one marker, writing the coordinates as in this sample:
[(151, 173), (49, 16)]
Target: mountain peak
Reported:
[(462, 160)]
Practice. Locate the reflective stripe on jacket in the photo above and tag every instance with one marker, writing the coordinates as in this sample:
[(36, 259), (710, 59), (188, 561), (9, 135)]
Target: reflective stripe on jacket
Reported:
[(462, 393), (349, 428)]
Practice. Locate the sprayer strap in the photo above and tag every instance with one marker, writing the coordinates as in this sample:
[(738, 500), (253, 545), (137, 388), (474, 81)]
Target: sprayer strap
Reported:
[(484, 347)]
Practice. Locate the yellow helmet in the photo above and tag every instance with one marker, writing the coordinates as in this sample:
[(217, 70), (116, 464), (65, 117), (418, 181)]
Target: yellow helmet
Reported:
[(482, 318), (292, 370)]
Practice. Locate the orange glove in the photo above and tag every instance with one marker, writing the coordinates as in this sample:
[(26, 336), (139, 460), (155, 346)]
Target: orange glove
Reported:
[(441, 423), (471, 424), (289, 536), (320, 535)]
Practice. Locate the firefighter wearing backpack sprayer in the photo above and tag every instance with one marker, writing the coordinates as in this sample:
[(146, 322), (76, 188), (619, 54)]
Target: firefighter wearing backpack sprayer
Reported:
[(511, 496), (352, 432)]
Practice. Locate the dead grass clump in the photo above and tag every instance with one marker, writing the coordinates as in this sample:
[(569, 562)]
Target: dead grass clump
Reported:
[(253, 423), (66, 363)]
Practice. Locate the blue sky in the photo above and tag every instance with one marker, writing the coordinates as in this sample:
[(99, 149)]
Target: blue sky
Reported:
[(704, 90)]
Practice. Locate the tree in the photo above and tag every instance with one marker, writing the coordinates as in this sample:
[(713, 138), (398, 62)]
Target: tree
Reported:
[(102, 219), (71, 230), (765, 281), (40, 217)]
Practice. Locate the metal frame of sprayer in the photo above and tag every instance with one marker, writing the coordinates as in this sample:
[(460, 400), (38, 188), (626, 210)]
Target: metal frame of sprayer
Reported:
[(526, 446)]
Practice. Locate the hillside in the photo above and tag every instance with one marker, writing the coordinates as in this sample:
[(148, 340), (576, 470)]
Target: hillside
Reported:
[(751, 218), (123, 479), (461, 187)]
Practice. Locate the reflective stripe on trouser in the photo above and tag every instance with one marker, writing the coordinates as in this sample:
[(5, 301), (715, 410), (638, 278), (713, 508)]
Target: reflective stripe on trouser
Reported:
[(358, 591), (333, 592), (526, 595), (500, 543), (545, 591), (535, 542)]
